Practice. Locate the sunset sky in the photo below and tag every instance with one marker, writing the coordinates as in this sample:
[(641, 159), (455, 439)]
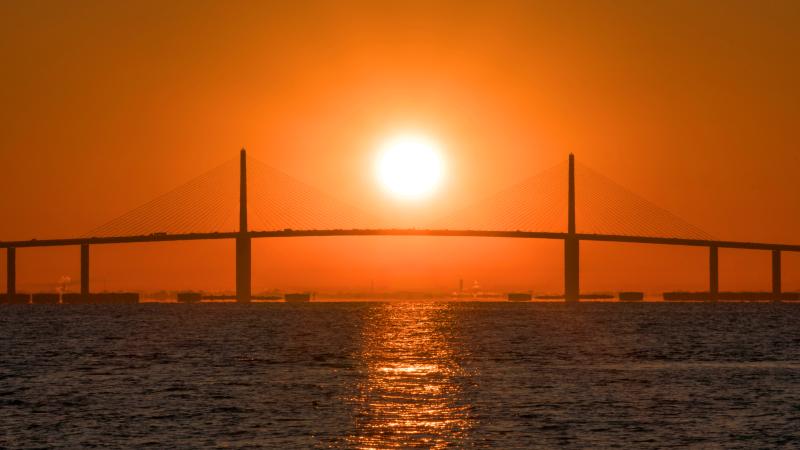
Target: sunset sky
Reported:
[(693, 105)]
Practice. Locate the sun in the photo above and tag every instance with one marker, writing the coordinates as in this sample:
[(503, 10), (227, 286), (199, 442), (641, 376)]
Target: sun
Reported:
[(409, 166)]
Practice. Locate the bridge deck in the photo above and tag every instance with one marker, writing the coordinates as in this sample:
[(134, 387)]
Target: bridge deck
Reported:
[(159, 237)]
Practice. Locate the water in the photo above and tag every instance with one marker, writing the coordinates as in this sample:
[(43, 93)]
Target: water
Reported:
[(382, 375)]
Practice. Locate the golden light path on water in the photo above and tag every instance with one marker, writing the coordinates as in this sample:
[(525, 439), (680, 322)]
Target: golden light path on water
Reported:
[(412, 395)]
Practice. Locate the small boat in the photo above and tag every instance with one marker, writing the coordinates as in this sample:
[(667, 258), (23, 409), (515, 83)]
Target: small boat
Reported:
[(189, 297), (302, 297), (631, 296), (519, 297)]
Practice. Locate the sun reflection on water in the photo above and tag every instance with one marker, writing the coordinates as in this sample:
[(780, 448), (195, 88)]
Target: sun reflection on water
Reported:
[(413, 394)]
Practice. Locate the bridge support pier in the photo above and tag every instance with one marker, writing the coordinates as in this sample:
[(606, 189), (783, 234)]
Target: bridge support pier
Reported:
[(243, 268), (11, 271), (713, 273), (84, 270), (776, 275), (571, 270)]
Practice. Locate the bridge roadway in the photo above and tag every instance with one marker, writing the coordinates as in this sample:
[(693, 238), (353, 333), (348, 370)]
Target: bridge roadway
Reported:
[(287, 233)]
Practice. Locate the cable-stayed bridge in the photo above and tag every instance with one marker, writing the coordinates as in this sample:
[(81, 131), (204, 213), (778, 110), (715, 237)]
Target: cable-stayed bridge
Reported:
[(245, 199)]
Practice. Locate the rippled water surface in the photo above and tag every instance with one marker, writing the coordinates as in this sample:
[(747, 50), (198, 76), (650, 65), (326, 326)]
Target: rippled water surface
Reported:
[(382, 375)]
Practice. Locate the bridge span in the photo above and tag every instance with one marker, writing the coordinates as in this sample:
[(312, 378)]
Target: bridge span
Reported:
[(243, 239)]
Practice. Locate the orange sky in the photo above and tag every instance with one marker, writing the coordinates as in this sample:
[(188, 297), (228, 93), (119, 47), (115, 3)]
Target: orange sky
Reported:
[(693, 105)]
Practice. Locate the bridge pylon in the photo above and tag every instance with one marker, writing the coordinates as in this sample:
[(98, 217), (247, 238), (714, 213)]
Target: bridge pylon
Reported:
[(243, 247), (571, 244)]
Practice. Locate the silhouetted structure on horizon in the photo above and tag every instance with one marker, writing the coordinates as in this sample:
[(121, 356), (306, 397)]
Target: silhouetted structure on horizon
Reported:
[(244, 235), (243, 245), (571, 244)]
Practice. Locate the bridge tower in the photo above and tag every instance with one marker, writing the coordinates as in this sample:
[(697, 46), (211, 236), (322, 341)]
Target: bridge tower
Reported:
[(243, 249), (571, 244)]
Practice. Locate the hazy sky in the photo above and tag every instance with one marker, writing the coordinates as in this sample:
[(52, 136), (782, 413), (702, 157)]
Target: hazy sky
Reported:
[(104, 105)]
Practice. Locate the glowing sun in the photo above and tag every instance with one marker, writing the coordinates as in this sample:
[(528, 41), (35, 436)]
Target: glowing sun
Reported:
[(409, 166)]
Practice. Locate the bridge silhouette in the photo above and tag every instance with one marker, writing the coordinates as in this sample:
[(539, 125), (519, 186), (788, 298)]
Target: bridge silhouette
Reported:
[(286, 208)]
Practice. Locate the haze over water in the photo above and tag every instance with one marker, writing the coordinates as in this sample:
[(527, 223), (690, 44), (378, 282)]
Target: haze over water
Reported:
[(383, 375)]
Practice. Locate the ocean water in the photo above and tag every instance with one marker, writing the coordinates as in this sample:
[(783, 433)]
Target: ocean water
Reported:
[(399, 375)]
